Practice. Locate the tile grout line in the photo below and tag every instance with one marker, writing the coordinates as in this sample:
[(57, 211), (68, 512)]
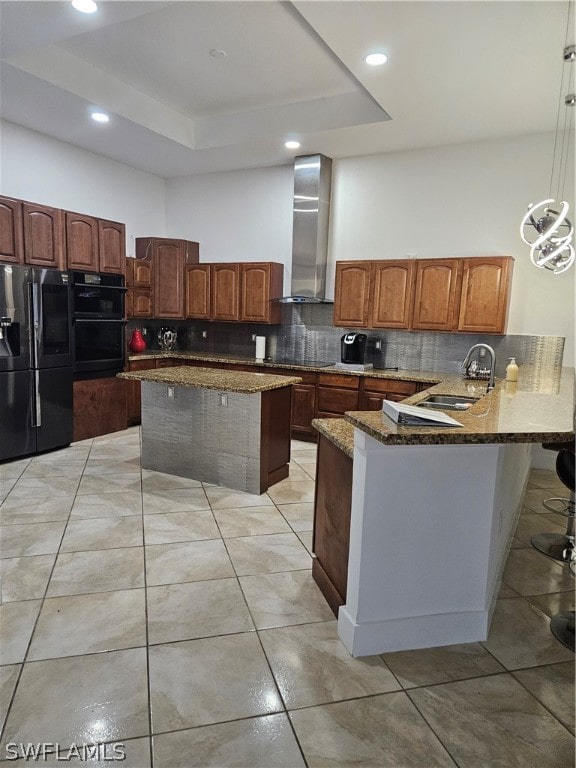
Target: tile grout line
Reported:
[(42, 599)]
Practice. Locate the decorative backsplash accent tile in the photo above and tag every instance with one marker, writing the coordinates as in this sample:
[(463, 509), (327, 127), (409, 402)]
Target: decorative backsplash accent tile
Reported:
[(307, 333)]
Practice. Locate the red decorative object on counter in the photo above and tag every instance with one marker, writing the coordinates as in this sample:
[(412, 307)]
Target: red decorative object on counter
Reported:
[(137, 343)]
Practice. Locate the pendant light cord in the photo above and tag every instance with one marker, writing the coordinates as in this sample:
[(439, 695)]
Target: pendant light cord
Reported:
[(565, 146)]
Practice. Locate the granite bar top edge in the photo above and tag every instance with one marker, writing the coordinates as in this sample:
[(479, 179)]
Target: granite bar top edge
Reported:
[(238, 382), (339, 432)]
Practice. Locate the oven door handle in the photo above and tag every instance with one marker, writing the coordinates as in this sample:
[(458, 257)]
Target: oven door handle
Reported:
[(95, 286), (98, 320)]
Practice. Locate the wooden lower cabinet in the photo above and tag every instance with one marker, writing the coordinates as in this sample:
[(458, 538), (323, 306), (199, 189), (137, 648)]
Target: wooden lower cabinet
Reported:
[(274, 436), (336, 395), (99, 407), (303, 409), (331, 537), (375, 390)]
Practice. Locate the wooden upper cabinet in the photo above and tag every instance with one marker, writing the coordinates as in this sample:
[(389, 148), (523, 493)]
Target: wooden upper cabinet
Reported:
[(111, 246), (352, 293), (198, 282), (43, 236), (81, 242), (392, 293), (437, 294), (225, 291), (260, 283), (486, 284), (168, 258), (138, 282), (11, 240)]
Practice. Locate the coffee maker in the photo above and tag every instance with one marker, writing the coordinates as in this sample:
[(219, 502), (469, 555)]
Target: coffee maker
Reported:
[(353, 348)]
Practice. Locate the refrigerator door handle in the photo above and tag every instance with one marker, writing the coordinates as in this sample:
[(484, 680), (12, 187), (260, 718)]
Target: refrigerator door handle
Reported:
[(37, 402), (35, 330)]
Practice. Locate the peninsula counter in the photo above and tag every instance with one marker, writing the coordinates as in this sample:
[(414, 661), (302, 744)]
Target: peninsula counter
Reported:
[(223, 427), (433, 510)]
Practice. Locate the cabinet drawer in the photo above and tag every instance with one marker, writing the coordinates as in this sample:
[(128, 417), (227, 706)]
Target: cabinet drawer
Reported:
[(335, 400), (166, 362), (390, 385), (337, 380)]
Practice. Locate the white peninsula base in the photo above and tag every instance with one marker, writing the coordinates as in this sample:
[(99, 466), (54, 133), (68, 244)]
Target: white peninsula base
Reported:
[(430, 531)]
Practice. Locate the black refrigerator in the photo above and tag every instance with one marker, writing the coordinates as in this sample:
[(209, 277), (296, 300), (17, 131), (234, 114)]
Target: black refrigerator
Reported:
[(35, 361)]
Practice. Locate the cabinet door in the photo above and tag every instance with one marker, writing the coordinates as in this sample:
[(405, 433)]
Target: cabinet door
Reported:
[(259, 284), (332, 510), (485, 295), (99, 407), (81, 242), (352, 293), (303, 408), (198, 291), (43, 236), (437, 294), (11, 242), (225, 291), (139, 302), (142, 274), (168, 276), (392, 294), (112, 246)]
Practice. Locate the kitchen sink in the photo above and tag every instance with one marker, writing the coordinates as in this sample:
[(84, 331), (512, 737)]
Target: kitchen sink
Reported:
[(448, 402)]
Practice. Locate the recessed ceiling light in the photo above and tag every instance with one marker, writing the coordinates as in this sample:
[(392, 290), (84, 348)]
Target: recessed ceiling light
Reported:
[(85, 6), (376, 59), (292, 144), (100, 117)]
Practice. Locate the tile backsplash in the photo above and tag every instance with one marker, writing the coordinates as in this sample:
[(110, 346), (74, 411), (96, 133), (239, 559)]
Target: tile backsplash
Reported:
[(307, 334)]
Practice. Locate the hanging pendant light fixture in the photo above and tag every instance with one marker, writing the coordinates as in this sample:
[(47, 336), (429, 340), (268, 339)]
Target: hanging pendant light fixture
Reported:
[(546, 227)]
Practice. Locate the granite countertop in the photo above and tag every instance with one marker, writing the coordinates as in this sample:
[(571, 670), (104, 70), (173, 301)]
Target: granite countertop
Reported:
[(539, 408), (378, 373), (213, 378), (338, 431)]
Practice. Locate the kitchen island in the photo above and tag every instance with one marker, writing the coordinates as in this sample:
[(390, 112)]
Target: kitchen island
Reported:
[(433, 510), (223, 427)]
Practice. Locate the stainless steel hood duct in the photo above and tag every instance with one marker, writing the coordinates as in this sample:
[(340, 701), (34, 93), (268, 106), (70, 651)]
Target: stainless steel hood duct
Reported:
[(312, 183)]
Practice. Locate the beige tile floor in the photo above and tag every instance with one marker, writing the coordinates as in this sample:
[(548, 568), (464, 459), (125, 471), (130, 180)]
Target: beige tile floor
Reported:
[(181, 620)]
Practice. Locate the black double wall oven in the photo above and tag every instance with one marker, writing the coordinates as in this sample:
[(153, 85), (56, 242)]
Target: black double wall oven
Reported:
[(98, 324)]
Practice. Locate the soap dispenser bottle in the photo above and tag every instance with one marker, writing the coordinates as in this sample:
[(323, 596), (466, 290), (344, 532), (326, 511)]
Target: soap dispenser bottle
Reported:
[(512, 370)]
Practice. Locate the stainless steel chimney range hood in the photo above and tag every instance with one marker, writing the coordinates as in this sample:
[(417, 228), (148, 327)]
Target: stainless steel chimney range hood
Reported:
[(311, 218)]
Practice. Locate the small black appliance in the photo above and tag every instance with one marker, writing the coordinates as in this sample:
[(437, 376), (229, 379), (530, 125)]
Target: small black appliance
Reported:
[(353, 348)]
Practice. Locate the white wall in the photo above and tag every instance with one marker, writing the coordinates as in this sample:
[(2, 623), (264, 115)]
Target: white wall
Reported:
[(464, 200), (448, 201), (43, 170), (461, 200), (235, 216)]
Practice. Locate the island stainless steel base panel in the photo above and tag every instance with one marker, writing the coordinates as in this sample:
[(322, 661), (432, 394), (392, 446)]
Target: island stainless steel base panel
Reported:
[(202, 434)]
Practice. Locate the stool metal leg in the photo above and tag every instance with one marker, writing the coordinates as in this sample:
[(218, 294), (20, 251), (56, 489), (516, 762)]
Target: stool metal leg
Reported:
[(562, 627), (559, 546)]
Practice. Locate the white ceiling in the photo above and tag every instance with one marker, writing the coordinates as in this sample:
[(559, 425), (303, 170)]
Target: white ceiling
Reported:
[(458, 71)]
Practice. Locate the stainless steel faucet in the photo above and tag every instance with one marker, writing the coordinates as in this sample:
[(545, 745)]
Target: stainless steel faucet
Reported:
[(473, 372)]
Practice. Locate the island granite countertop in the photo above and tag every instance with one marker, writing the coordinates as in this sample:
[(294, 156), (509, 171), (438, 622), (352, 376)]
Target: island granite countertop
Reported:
[(213, 378)]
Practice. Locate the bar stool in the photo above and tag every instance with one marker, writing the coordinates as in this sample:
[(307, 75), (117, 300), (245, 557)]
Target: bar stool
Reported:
[(562, 623), (560, 546)]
